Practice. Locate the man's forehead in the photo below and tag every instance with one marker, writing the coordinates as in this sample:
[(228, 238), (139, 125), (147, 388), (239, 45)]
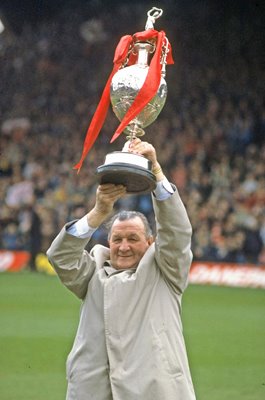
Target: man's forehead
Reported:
[(132, 224)]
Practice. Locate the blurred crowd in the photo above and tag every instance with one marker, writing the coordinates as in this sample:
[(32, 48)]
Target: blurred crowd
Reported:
[(209, 136)]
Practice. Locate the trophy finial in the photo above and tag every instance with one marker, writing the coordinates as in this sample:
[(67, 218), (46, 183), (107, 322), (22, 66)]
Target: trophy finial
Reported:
[(153, 15)]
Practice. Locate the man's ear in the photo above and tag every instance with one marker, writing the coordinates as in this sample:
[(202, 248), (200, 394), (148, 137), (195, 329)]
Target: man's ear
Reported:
[(150, 240)]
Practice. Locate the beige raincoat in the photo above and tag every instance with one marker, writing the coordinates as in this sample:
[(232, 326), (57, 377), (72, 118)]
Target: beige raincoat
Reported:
[(129, 344)]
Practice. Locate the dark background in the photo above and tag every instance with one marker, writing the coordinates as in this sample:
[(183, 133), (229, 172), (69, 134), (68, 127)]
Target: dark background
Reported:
[(17, 12)]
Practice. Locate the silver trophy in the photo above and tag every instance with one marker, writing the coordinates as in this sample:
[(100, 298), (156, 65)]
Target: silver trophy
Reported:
[(123, 167)]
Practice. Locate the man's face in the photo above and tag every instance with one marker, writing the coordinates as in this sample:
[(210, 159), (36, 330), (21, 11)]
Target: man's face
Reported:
[(128, 243)]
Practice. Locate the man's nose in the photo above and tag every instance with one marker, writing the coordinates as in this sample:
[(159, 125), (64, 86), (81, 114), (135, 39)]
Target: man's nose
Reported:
[(124, 245)]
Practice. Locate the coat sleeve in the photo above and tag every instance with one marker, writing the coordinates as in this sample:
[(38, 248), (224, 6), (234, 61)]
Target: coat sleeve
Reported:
[(173, 242), (74, 265)]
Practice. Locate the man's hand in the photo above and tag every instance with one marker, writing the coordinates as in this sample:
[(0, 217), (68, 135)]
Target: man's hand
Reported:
[(147, 150), (106, 196)]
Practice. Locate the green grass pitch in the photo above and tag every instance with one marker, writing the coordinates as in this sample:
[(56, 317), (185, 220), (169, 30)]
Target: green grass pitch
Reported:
[(224, 330)]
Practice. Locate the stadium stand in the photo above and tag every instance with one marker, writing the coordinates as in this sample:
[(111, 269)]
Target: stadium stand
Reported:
[(211, 131)]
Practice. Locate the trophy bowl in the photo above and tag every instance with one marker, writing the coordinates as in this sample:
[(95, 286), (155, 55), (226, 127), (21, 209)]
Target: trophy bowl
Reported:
[(125, 86)]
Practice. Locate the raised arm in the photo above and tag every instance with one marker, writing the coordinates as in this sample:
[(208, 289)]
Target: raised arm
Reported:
[(173, 242), (74, 265)]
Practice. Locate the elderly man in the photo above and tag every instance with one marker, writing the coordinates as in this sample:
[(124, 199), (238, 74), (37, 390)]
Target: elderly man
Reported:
[(129, 344)]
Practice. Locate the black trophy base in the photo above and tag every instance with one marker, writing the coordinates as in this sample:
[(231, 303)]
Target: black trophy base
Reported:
[(136, 179)]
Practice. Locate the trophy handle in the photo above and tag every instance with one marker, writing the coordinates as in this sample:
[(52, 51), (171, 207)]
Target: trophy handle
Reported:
[(152, 15)]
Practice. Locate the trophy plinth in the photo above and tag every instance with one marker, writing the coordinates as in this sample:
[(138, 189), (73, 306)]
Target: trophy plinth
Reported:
[(128, 169)]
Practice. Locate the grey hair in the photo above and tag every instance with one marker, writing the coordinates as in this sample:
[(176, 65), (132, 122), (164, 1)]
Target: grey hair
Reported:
[(126, 215)]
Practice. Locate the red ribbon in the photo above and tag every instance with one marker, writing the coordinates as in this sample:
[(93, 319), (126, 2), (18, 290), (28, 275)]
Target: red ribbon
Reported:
[(145, 94)]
